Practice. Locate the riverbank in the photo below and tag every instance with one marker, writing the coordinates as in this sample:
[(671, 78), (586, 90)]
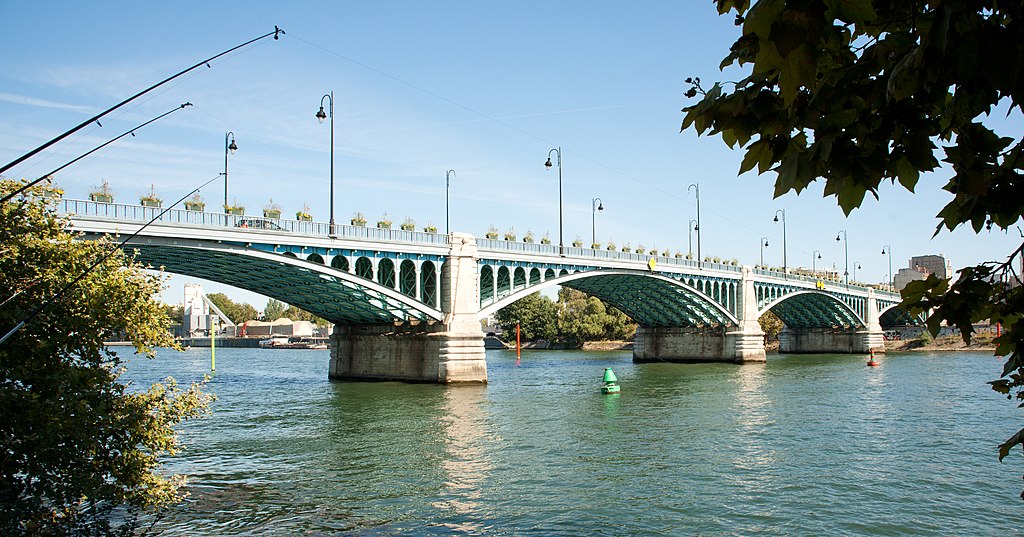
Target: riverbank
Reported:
[(981, 341)]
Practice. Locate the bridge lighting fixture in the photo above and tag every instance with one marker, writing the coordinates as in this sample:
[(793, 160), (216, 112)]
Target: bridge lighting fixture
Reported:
[(887, 250), (320, 117), (447, 183), (776, 219), (595, 205), (696, 187), (690, 228), (558, 153), (816, 255), (846, 253), (229, 147), (764, 244)]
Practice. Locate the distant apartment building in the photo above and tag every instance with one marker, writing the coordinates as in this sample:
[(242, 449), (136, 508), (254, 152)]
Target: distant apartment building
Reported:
[(920, 267), (932, 264)]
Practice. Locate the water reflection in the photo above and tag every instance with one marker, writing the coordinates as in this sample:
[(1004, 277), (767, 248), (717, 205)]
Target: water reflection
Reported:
[(466, 463)]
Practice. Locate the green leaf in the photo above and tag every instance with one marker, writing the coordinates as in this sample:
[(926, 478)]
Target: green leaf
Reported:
[(907, 173)]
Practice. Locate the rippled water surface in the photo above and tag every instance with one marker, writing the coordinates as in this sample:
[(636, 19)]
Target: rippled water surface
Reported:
[(802, 445)]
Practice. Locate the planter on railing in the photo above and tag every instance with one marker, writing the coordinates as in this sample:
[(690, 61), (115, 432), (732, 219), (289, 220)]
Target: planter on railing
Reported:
[(234, 209), (272, 213), (196, 206)]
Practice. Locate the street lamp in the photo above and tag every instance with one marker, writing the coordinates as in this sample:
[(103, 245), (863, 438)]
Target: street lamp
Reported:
[(764, 244), (689, 237), (887, 250), (321, 116), (447, 182), (856, 265), (846, 250), (595, 205), (558, 152), (696, 187), (814, 258), (228, 148), (776, 219)]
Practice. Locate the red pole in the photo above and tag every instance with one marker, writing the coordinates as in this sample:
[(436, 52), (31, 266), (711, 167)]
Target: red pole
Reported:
[(518, 344)]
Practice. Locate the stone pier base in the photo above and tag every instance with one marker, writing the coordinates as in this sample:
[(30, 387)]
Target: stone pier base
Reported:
[(411, 352), (690, 345), (819, 340)]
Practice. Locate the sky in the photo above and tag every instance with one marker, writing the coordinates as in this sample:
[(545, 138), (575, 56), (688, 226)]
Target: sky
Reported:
[(483, 88)]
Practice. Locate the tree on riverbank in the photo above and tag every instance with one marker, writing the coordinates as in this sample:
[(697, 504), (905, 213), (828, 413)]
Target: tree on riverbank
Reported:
[(81, 449), (856, 92), (574, 319), (238, 312)]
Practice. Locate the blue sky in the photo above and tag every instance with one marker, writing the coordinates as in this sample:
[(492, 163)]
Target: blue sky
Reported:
[(484, 88)]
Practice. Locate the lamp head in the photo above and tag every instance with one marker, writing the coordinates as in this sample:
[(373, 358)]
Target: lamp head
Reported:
[(776, 219), (819, 256), (548, 163), (883, 251), (837, 238), (321, 115), (600, 206), (232, 147)]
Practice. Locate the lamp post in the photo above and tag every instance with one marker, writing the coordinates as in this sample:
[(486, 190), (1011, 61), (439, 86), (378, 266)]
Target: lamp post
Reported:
[(846, 252), (595, 205), (856, 265), (887, 250), (785, 271), (447, 183), (696, 187), (558, 152), (228, 148), (764, 244), (321, 116), (689, 236), (814, 258)]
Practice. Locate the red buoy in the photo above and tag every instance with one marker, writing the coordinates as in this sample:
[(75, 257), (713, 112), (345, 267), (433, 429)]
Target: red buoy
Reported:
[(871, 359)]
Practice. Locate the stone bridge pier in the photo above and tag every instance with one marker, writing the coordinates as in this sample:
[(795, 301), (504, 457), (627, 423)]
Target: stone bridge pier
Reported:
[(448, 352)]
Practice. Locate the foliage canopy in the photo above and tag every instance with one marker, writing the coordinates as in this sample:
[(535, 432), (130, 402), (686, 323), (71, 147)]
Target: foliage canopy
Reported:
[(857, 92), (78, 443)]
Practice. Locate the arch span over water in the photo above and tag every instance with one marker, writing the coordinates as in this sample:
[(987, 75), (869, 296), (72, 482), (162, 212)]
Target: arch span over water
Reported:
[(649, 299)]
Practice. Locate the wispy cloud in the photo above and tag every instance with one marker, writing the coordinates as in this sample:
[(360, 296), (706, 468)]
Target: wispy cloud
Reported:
[(42, 103)]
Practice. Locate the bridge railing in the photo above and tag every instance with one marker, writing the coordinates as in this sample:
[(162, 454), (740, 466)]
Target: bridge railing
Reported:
[(138, 213), (591, 253)]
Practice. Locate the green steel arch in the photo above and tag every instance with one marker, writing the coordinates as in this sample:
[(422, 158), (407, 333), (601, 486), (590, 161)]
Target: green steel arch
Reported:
[(892, 315), (649, 299), (813, 309), (338, 296)]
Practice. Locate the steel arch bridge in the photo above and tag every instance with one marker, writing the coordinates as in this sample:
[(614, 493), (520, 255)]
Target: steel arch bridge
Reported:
[(370, 275)]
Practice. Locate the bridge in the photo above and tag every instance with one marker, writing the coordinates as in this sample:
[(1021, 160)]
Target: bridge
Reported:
[(408, 305)]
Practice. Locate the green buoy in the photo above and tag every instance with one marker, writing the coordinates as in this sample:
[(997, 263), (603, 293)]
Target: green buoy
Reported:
[(610, 385)]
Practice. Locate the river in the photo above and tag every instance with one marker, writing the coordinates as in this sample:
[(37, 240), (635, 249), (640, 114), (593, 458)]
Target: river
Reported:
[(802, 445)]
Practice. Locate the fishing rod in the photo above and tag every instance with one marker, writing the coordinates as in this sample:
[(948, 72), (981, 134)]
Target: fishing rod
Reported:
[(84, 273), (95, 149), (96, 118)]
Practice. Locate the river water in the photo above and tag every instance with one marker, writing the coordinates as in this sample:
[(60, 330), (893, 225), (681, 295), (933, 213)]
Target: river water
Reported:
[(802, 445)]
